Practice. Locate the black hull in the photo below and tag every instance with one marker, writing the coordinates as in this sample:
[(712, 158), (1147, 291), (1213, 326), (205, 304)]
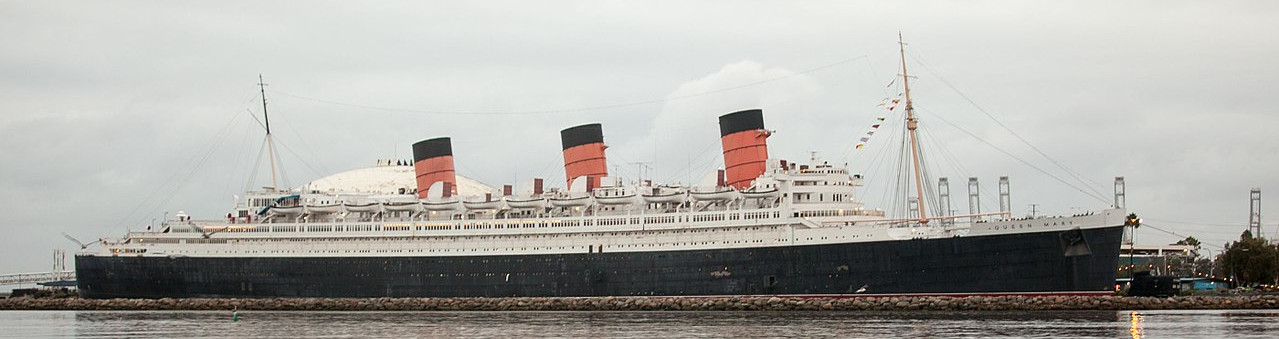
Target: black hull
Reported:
[(1048, 262)]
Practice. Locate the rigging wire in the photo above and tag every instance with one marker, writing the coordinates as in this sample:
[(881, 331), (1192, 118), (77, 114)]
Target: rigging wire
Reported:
[(901, 192), (1195, 223), (879, 160), (257, 164), (930, 144), (929, 194), (577, 109), (706, 167), (237, 167), (1075, 175), (169, 180), (300, 159), (283, 177), (203, 157), (559, 175), (982, 191), (690, 167), (305, 145), (1146, 224), (883, 91), (1023, 161), (465, 169)]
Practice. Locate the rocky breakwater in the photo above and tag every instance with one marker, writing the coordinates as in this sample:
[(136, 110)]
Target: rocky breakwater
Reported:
[(760, 303)]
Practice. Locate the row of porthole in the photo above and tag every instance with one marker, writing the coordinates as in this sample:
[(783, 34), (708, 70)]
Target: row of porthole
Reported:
[(487, 237), (486, 249)]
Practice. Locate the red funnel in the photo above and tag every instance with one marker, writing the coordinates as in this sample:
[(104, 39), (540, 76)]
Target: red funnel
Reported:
[(745, 146), (584, 154), (432, 163)]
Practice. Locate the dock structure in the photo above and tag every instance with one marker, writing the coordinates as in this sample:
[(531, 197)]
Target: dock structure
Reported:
[(60, 276), (42, 278)]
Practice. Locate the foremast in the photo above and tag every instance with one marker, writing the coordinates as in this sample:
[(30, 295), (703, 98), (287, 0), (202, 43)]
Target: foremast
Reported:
[(270, 143), (911, 124)]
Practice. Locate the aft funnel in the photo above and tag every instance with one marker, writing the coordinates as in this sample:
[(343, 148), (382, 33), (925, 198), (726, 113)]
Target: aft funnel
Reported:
[(745, 146), (432, 163), (584, 154)]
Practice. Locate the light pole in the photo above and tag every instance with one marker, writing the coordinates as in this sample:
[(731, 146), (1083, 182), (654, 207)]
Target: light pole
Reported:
[(1132, 248), (1212, 263), (1133, 221)]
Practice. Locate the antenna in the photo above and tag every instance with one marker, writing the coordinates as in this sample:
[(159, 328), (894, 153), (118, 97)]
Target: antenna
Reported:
[(911, 125), (640, 167), (270, 143)]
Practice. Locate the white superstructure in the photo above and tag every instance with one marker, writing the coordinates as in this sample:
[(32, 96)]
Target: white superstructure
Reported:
[(787, 206)]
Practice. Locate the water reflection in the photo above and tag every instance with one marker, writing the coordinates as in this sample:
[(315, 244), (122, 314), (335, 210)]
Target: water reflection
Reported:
[(1135, 325), (1075, 324)]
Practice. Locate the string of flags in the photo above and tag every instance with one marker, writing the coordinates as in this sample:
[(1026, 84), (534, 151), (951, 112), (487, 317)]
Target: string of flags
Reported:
[(889, 104)]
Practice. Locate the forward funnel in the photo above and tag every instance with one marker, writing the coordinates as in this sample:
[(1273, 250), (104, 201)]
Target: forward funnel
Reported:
[(745, 146), (432, 163), (584, 154)]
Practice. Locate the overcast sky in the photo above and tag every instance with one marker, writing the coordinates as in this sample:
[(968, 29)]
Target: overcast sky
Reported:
[(116, 112)]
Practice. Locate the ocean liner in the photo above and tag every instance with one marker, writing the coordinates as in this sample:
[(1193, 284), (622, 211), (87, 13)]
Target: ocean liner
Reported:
[(767, 227)]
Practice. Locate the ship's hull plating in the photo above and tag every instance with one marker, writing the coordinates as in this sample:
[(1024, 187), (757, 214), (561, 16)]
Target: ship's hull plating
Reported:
[(1051, 262)]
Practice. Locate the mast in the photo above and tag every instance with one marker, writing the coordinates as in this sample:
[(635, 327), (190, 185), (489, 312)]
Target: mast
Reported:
[(911, 125), (270, 144)]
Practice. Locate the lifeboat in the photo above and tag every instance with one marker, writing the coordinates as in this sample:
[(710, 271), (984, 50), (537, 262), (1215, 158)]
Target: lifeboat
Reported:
[(322, 209), (404, 206), (283, 210), (529, 202), (571, 201), (761, 193), (441, 205), (363, 208), (482, 205), (716, 194), (614, 196), (660, 195)]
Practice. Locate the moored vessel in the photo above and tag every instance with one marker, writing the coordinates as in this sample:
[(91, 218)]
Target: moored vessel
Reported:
[(766, 227)]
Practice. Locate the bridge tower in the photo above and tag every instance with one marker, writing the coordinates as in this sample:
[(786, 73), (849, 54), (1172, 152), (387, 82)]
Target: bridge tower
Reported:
[(1254, 212)]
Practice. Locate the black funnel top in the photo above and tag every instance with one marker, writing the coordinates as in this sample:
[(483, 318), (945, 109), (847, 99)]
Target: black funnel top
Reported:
[(748, 120), (582, 135), (432, 148)]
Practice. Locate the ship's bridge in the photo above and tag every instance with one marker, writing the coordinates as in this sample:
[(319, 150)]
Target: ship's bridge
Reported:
[(819, 184)]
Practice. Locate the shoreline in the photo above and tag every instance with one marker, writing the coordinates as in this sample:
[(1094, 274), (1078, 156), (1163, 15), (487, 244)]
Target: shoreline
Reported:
[(760, 303)]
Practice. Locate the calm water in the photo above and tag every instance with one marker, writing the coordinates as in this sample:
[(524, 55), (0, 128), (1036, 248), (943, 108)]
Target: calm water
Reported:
[(1080, 324)]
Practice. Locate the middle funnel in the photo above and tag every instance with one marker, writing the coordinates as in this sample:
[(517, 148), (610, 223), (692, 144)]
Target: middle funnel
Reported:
[(584, 154)]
